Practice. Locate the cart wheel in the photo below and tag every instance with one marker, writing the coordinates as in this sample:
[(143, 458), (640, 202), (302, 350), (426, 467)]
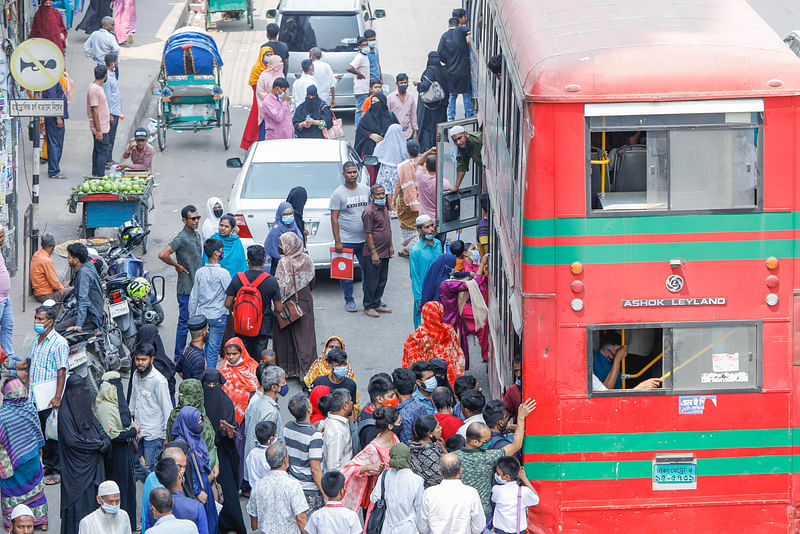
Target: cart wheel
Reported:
[(145, 217), (226, 123), (250, 17)]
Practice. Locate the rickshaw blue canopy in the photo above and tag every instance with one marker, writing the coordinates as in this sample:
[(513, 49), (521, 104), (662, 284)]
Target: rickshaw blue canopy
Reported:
[(190, 47)]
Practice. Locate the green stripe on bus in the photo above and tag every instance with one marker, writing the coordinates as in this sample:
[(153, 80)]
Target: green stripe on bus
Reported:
[(650, 252), (660, 224), (615, 470), (658, 441)]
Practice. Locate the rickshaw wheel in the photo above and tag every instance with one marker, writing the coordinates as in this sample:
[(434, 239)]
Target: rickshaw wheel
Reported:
[(162, 126), (226, 123)]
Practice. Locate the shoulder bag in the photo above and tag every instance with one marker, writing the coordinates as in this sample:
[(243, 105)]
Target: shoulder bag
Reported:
[(336, 130), (433, 94), (291, 308), (216, 487), (378, 513)]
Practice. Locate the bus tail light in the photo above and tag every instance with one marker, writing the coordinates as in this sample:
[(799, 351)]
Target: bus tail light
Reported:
[(576, 267), (772, 299), (772, 281), (576, 286), (244, 231), (576, 304), (772, 263)]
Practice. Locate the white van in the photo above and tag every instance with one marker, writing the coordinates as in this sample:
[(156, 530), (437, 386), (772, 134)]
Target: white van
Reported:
[(332, 25)]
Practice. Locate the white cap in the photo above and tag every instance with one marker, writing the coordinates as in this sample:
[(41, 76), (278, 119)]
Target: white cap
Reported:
[(423, 219), (455, 130), (20, 510), (109, 487)]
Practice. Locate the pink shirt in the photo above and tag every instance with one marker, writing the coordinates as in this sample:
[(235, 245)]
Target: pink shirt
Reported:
[(426, 184), (140, 160), (406, 112), (95, 96), (277, 118), (5, 280)]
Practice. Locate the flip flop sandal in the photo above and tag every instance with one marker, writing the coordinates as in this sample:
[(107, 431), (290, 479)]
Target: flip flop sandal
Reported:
[(52, 480)]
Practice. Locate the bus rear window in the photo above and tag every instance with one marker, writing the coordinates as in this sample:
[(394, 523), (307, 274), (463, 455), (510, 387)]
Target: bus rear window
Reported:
[(676, 358), (675, 162)]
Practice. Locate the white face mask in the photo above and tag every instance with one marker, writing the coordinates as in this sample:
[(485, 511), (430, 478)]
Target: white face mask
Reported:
[(499, 480)]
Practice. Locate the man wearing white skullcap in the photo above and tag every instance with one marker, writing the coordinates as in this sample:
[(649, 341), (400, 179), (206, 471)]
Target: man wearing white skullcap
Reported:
[(109, 518), (469, 146), (21, 520), (424, 253)]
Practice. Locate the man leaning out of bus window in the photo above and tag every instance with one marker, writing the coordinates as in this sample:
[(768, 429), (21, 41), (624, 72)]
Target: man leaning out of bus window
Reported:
[(469, 148), (606, 364)]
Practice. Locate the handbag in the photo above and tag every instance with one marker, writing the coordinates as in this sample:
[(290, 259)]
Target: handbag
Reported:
[(378, 513), (216, 487), (432, 94), (291, 308), (336, 130)]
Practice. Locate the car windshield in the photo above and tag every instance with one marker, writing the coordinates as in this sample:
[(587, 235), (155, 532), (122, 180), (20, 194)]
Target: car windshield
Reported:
[(274, 179), (332, 33)]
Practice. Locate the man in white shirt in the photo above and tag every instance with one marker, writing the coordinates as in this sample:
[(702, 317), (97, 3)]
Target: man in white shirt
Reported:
[(359, 67), (451, 507), (166, 523), (472, 403), (150, 406), (323, 74), (337, 441), (108, 518), (334, 516), (302, 83), (102, 42)]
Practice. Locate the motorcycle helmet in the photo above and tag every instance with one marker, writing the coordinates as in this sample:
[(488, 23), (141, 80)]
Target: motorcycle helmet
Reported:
[(129, 230), (139, 288)]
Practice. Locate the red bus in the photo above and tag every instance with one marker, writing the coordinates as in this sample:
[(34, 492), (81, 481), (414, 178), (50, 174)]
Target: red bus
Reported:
[(640, 158)]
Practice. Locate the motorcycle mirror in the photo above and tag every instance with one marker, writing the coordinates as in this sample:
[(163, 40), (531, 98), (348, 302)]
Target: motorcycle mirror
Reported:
[(49, 303)]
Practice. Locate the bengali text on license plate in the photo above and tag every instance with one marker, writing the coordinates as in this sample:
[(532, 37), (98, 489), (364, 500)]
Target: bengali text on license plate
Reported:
[(118, 308), (675, 473)]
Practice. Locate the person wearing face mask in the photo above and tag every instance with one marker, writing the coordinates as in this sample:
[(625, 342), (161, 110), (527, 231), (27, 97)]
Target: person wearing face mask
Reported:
[(337, 359), (402, 488), (362, 472), (512, 494), (373, 56), (208, 298), (478, 461), (301, 84), (426, 449), (192, 362), (404, 106), (391, 152), (421, 257), (277, 123), (378, 246), (232, 258), (478, 266), (239, 371), (263, 406), (312, 115), (373, 125), (320, 366), (284, 222), (359, 68), (214, 212), (108, 518), (513, 396), (88, 312), (426, 384), (496, 418)]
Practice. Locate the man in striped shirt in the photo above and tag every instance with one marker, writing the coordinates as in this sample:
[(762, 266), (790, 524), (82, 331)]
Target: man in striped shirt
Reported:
[(304, 443)]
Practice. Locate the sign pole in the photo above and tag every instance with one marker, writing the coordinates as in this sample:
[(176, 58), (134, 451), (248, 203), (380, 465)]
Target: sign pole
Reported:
[(37, 153)]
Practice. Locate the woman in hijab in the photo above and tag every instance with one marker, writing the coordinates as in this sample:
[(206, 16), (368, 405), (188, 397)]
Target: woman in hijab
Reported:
[(124, 20), (391, 151), (81, 446), (434, 339), (190, 393), (239, 371), (114, 416), (454, 294), (429, 115), (297, 198), (284, 222), (221, 413), (149, 334), (233, 258), (372, 128), (214, 212), (312, 116), (250, 134), (296, 344), (188, 426), (404, 490), (273, 71), (21, 475), (48, 24), (93, 19), (321, 367), (439, 271)]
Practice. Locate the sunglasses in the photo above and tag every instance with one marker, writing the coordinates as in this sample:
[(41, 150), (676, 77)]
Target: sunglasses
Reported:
[(196, 218)]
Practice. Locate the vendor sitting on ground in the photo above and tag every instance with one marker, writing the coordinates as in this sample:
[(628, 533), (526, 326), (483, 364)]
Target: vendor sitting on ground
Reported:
[(139, 151)]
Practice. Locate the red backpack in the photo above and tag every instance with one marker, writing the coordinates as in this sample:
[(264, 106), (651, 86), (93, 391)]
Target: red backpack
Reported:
[(248, 310)]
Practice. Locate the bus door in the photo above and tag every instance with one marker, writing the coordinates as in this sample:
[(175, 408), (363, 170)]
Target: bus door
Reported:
[(456, 209)]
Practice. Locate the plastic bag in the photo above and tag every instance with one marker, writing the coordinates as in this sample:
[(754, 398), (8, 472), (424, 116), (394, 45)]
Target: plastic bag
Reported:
[(51, 425)]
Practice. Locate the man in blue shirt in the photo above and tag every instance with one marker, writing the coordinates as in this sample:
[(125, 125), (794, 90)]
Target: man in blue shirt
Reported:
[(183, 507), (421, 257), (114, 98), (410, 409), (54, 133), (374, 58), (426, 383), (607, 361)]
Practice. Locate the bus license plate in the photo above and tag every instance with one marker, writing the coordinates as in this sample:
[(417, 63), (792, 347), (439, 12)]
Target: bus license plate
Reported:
[(674, 476), (118, 308)]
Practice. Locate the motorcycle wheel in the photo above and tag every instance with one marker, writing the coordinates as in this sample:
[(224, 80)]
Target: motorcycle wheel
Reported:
[(159, 314)]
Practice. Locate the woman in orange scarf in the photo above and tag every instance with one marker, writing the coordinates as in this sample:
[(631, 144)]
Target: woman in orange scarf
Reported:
[(250, 134), (321, 367), (239, 370), (434, 339)]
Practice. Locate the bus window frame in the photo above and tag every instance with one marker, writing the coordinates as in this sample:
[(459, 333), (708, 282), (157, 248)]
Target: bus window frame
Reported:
[(758, 366)]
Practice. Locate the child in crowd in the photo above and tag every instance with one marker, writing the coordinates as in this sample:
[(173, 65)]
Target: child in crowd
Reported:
[(454, 443), (269, 356), (333, 517), (256, 462), (511, 495)]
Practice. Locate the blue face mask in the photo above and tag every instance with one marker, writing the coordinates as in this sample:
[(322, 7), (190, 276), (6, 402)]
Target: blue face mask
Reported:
[(284, 390), (107, 508), (287, 219), (281, 94), (402, 88), (341, 372), (364, 51), (221, 255), (518, 382), (372, 44), (39, 328), (428, 237), (475, 256), (380, 201), (430, 384)]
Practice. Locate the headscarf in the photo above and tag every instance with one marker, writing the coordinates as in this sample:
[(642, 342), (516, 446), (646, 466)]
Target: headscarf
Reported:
[(316, 394), (297, 198), (392, 150), (260, 66), (233, 257), (278, 228), (439, 271), (400, 456), (81, 442), (20, 434), (219, 406), (241, 380), (149, 334), (434, 339), (296, 268), (48, 24), (314, 107), (272, 72), (111, 407), (321, 367), (211, 224), (434, 72), (376, 120), (188, 427), (190, 393)]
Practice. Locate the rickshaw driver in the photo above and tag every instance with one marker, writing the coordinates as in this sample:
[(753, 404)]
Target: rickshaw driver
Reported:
[(139, 151)]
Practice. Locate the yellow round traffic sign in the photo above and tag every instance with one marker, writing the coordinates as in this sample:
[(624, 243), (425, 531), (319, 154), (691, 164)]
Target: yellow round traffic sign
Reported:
[(37, 64)]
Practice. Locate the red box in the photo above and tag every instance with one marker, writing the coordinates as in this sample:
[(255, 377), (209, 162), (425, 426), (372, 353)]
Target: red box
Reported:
[(342, 264)]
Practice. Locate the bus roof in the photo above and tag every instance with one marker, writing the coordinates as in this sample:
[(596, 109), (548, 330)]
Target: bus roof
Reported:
[(646, 50)]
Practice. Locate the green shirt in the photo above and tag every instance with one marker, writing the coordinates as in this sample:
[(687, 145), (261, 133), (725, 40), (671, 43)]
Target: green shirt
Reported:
[(188, 249), (462, 161), (477, 468)]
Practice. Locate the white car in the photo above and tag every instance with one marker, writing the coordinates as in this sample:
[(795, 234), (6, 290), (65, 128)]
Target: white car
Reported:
[(271, 169)]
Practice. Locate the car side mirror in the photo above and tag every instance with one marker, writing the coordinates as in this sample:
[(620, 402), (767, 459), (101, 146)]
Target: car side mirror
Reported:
[(272, 13), (379, 13), (370, 161), (234, 163)]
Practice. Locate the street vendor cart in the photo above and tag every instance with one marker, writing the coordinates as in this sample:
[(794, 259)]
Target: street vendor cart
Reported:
[(230, 9)]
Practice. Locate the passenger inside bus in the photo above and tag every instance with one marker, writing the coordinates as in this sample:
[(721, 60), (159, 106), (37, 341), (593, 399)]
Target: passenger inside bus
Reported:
[(641, 351)]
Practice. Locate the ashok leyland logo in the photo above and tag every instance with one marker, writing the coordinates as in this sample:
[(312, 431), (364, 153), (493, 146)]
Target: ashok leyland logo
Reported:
[(674, 283)]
